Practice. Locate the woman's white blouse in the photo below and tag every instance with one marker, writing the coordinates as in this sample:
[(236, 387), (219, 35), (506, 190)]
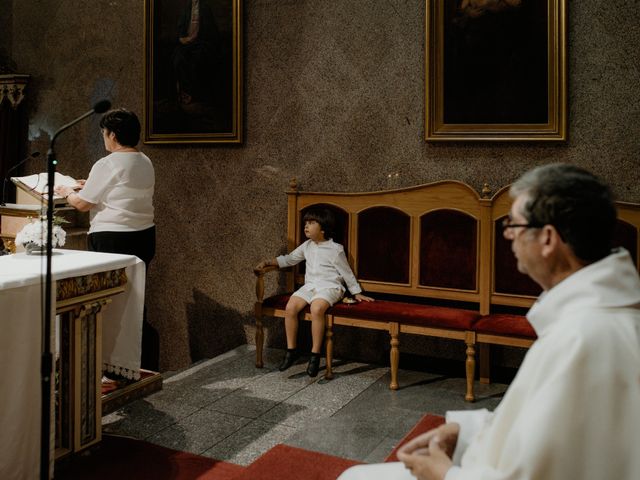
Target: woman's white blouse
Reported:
[(121, 187)]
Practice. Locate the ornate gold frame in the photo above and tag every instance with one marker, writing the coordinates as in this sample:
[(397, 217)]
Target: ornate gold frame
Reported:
[(436, 129), (153, 116)]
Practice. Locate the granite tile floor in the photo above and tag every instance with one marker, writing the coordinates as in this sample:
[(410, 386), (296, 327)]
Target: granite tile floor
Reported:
[(227, 409)]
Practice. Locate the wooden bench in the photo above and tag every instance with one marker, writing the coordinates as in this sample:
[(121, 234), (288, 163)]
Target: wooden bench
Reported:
[(511, 291), (434, 258)]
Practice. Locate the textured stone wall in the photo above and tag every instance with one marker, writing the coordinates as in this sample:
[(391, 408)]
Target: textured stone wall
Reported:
[(334, 94)]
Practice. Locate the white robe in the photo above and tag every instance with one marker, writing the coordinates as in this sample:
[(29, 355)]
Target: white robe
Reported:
[(573, 410)]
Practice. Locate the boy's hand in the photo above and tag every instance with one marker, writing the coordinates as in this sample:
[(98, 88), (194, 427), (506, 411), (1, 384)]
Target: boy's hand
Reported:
[(363, 298), (264, 264)]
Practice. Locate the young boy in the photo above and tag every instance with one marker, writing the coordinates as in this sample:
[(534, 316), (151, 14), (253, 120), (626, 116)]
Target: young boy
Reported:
[(326, 270)]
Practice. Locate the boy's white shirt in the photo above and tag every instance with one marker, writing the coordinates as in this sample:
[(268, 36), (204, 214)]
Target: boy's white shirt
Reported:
[(326, 265)]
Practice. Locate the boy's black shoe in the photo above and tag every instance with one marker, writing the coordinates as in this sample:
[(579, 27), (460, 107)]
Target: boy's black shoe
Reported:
[(290, 356), (314, 365)]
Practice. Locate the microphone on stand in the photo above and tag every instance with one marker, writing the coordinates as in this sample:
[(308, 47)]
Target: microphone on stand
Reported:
[(7, 176), (100, 107)]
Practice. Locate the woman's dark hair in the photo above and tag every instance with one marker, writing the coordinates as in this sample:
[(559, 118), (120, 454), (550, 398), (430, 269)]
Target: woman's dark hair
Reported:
[(324, 217), (124, 124)]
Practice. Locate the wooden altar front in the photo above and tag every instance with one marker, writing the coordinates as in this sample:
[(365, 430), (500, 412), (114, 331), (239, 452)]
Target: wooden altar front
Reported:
[(98, 317), (80, 302)]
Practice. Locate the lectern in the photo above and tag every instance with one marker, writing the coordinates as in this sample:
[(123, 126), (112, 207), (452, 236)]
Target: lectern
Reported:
[(14, 216)]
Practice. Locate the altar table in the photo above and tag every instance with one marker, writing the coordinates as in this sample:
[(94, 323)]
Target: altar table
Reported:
[(84, 283)]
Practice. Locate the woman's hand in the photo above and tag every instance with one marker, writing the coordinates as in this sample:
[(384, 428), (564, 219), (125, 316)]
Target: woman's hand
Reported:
[(63, 190)]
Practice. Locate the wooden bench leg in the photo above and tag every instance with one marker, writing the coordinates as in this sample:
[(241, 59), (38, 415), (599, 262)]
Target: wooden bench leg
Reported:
[(394, 355), (485, 363), (259, 335), (328, 333), (470, 365)]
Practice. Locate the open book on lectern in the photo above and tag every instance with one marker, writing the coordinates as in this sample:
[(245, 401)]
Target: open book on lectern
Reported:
[(36, 185)]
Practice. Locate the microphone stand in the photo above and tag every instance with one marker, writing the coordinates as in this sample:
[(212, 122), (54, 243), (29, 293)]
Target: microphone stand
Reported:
[(46, 364)]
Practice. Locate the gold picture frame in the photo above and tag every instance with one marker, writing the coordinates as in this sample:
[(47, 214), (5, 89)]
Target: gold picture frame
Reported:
[(496, 70), (193, 71)]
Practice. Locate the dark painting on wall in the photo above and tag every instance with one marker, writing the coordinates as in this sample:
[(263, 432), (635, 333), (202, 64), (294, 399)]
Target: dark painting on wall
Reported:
[(495, 70), (193, 75)]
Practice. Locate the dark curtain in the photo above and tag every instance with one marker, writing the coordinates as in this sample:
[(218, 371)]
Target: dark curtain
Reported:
[(13, 135)]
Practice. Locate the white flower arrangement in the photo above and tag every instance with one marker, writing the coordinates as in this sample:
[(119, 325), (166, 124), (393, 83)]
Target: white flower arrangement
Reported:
[(36, 232)]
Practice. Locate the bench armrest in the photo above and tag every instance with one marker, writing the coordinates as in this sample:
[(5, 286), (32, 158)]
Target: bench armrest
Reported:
[(259, 273)]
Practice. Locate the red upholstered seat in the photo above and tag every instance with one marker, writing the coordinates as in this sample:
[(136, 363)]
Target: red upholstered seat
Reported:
[(505, 324), (277, 301), (409, 313), (283, 462), (403, 312), (426, 423)]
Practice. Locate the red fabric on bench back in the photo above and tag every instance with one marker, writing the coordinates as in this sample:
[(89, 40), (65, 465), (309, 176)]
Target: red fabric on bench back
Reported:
[(448, 250), (426, 423), (626, 236), (383, 245), (507, 277)]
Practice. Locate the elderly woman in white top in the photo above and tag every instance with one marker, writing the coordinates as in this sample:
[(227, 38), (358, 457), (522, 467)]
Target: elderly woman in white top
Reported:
[(119, 195)]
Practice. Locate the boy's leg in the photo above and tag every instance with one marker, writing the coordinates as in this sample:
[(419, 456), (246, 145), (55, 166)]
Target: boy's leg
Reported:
[(319, 307), (293, 308)]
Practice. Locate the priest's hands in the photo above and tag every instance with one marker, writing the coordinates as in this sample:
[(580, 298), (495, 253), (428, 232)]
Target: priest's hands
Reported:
[(428, 456)]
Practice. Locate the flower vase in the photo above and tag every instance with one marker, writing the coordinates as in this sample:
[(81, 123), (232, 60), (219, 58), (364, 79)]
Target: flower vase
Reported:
[(33, 248)]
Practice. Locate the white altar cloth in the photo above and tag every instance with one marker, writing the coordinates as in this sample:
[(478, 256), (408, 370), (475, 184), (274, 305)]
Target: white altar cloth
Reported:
[(21, 293)]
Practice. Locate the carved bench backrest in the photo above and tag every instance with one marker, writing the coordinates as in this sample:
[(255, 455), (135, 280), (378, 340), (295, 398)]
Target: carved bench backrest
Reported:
[(439, 241), (421, 241), (627, 232), (512, 288)]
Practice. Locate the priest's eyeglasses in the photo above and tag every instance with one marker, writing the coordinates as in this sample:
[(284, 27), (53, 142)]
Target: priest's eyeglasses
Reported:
[(507, 225)]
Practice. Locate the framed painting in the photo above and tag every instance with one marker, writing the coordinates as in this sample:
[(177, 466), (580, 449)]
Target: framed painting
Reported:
[(193, 71), (495, 70)]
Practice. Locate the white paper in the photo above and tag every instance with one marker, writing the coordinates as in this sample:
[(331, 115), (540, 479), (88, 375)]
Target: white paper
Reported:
[(38, 182)]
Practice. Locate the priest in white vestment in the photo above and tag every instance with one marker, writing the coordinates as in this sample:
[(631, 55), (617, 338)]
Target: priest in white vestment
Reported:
[(573, 410)]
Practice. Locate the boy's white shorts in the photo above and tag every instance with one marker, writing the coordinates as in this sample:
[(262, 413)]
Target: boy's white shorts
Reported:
[(309, 294)]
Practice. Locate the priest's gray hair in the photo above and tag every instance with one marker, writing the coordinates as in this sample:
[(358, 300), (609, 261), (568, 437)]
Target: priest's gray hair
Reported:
[(577, 203)]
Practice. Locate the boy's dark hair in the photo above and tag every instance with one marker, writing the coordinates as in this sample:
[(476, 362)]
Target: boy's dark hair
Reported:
[(324, 217), (124, 124)]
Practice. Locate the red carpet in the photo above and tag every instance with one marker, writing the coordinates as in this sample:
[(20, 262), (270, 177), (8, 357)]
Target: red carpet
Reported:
[(283, 462), (122, 458)]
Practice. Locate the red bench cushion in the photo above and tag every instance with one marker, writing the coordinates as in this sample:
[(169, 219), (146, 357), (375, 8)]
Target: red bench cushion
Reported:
[(505, 324), (402, 312), (409, 313), (426, 423), (277, 301)]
